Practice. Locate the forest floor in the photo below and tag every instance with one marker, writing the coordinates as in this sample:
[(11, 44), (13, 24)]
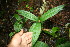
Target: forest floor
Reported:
[(7, 10)]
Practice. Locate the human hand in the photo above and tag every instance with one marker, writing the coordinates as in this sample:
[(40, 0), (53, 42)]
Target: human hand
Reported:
[(21, 40)]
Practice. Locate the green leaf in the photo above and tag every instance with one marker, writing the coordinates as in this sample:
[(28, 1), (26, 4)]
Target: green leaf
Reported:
[(51, 12), (47, 32), (67, 44), (17, 26), (17, 17), (27, 5), (36, 29), (31, 8), (52, 32), (28, 15), (40, 44), (25, 19), (11, 34), (55, 29)]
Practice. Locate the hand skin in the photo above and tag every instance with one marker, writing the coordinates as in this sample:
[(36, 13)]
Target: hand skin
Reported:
[(21, 40)]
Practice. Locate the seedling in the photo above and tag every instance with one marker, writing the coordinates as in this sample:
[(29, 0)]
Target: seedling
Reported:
[(30, 8), (36, 27), (52, 31), (27, 5)]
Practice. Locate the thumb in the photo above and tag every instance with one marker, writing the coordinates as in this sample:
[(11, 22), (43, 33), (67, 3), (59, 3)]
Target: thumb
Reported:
[(21, 32)]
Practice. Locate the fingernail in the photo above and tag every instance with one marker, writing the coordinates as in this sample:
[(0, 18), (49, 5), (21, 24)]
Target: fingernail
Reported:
[(21, 29)]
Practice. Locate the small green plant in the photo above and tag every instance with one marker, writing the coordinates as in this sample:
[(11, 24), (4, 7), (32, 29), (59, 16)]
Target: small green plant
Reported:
[(11, 34), (17, 25), (27, 5), (37, 26), (52, 31), (30, 8)]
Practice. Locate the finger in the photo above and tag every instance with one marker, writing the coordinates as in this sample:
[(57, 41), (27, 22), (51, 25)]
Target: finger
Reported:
[(26, 38), (24, 43), (23, 38), (21, 32)]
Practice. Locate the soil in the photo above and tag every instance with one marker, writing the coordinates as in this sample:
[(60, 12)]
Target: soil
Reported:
[(7, 10)]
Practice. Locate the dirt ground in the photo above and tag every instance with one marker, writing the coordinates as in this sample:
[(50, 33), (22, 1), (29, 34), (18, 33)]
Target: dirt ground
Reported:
[(7, 11)]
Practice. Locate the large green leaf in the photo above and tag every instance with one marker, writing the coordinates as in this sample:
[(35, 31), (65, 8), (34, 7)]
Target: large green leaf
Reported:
[(36, 29), (17, 26), (28, 15), (40, 44), (51, 12)]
